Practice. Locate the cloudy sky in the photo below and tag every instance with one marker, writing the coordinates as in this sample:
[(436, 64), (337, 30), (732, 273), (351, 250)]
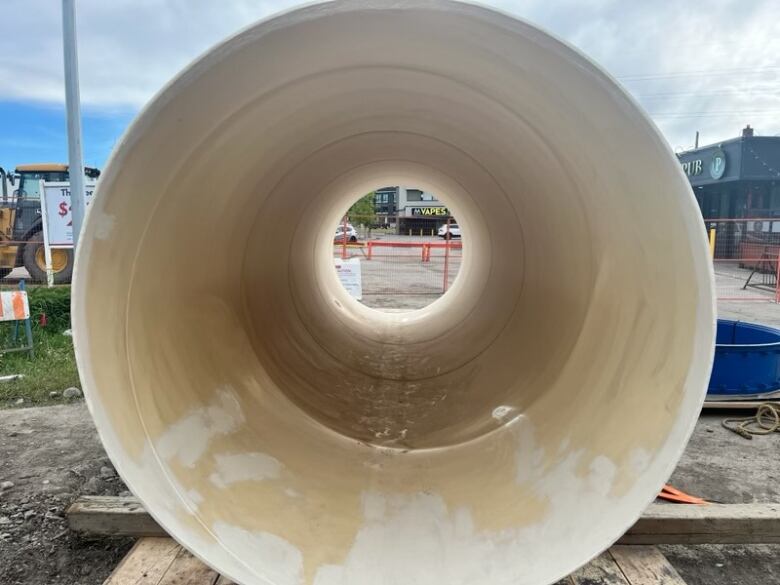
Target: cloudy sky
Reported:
[(711, 66)]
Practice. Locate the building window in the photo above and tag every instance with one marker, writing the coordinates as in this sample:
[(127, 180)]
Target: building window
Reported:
[(414, 195)]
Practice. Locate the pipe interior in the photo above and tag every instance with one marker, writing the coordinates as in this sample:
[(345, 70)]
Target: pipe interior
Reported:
[(214, 325)]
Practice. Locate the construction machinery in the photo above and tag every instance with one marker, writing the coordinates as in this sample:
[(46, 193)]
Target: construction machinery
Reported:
[(21, 237)]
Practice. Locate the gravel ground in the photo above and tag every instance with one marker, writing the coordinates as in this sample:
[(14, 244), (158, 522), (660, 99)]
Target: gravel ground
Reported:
[(48, 457)]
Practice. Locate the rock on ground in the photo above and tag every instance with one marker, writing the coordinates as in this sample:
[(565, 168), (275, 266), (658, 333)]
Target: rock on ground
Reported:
[(71, 393), (49, 454)]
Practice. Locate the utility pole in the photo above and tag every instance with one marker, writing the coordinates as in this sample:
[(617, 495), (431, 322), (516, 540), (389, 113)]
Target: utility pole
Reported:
[(73, 113)]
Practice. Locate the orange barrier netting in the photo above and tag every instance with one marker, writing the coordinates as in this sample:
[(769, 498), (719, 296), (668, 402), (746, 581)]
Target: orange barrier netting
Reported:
[(409, 268), (745, 254)]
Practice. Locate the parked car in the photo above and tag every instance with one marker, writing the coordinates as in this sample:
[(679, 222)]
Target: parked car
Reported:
[(454, 231), (352, 235)]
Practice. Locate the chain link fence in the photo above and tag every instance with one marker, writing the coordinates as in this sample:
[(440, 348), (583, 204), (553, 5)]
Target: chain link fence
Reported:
[(745, 258), (23, 255), (408, 266), (405, 263)]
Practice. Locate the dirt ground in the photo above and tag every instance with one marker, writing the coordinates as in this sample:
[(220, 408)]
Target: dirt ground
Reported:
[(723, 467), (52, 455)]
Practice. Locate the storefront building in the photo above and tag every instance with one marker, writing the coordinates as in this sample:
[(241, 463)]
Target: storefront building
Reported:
[(412, 210), (737, 186), (737, 178)]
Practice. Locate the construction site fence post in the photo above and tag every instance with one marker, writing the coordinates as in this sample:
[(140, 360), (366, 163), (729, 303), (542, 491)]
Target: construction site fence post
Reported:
[(344, 239), (712, 242), (777, 278), (447, 240)]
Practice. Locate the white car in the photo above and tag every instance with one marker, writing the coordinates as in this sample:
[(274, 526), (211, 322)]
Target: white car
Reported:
[(454, 231), (352, 235)]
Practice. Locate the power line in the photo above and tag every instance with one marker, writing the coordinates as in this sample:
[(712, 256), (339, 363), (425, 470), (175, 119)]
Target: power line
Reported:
[(699, 73), (712, 114), (736, 92), (742, 43)]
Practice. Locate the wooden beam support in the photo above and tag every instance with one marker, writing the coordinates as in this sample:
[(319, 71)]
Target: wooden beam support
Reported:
[(160, 561), (738, 404), (708, 524), (660, 524), (110, 515)]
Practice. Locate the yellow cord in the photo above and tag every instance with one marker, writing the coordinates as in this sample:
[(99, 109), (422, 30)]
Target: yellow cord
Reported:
[(764, 422)]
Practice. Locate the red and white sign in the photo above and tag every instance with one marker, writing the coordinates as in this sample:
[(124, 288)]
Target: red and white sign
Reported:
[(13, 305), (58, 216), (350, 277)]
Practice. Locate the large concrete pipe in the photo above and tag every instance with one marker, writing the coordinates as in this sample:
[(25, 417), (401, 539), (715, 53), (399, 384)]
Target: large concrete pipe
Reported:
[(287, 434)]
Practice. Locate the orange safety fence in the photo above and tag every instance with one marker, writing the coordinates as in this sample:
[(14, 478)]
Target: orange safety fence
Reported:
[(745, 254), (746, 258), (408, 268), (425, 247)]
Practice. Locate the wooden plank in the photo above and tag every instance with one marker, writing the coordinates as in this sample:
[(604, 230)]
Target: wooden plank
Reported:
[(146, 563), (160, 561), (187, 570), (660, 524), (645, 565), (109, 515), (737, 404), (710, 524), (600, 571)]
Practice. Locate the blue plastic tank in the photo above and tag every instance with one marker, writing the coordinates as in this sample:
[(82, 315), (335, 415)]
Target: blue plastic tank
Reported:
[(747, 360)]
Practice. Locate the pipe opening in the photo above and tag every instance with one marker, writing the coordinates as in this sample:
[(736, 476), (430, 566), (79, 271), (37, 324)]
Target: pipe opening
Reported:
[(398, 249)]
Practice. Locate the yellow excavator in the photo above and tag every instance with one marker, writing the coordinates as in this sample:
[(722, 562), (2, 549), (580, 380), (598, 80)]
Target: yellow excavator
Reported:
[(21, 240)]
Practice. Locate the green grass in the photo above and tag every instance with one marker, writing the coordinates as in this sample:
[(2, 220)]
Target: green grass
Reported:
[(54, 366)]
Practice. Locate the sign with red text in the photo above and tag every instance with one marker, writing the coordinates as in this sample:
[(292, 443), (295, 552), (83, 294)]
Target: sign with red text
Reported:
[(56, 198)]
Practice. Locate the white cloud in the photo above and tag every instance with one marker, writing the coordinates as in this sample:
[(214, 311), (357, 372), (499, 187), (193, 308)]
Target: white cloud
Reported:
[(127, 48), (713, 67), (687, 63)]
